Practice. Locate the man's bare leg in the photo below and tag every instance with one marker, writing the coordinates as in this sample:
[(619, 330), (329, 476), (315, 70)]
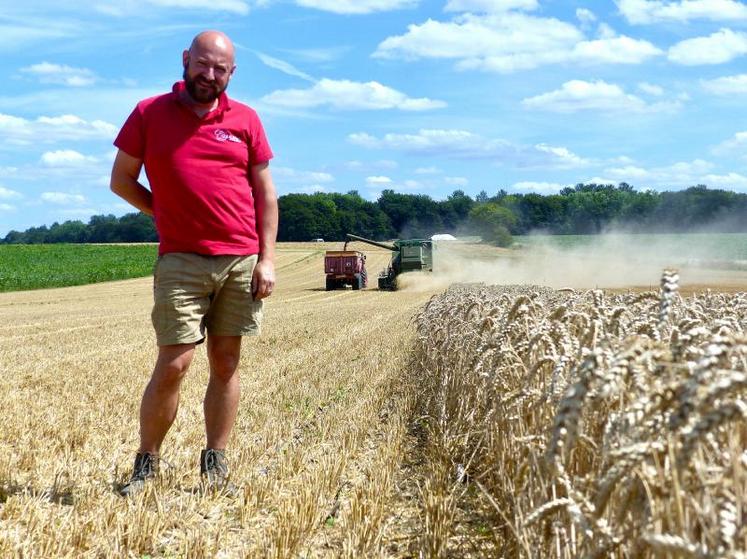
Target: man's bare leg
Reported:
[(161, 396), (223, 390)]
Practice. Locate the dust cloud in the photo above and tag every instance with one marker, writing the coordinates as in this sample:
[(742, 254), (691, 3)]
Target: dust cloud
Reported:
[(603, 261)]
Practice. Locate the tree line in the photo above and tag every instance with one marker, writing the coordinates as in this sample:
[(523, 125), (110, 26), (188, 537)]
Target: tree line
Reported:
[(583, 209)]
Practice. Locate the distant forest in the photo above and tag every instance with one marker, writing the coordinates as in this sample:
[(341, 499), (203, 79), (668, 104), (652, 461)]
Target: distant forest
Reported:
[(583, 209)]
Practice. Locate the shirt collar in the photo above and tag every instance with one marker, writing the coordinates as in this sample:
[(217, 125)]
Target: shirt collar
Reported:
[(224, 103)]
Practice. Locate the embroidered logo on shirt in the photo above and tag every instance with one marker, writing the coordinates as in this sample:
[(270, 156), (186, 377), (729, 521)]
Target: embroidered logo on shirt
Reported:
[(225, 136)]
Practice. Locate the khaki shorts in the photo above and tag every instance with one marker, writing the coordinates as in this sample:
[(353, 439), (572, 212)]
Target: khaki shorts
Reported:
[(194, 293)]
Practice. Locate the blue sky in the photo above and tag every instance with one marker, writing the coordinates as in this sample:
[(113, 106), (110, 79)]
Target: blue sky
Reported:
[(423, 97)]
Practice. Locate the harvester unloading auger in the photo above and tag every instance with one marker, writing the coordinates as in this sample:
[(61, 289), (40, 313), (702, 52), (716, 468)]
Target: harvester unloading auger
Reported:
[(408, 255)]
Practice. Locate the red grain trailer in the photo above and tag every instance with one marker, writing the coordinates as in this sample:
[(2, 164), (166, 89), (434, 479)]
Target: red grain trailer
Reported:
[(345, 267)]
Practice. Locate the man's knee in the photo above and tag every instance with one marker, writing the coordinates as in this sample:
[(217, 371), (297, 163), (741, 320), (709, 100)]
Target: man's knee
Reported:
[(172, 366), (223, 365)]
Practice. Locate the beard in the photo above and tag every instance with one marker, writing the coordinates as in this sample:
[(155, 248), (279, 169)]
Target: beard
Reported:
[(200, 90)]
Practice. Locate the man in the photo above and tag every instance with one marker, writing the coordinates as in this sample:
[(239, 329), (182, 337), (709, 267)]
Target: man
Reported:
[(215, 207)]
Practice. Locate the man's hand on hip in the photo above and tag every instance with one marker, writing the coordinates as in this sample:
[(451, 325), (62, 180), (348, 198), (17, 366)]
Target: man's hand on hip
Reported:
[(263, 280)]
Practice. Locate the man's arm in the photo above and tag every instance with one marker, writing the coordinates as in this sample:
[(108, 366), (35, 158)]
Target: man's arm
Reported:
[(124, 182), (266, 208)]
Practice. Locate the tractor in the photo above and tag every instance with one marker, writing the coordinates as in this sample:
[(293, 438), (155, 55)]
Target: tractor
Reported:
[(408, 255)]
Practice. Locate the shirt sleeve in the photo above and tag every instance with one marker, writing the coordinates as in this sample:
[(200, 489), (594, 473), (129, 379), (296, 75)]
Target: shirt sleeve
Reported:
[(259, 147), (131, 138)]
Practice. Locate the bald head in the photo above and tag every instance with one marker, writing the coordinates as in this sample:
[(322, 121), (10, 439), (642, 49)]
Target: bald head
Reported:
[(208, 66), (215, 41)]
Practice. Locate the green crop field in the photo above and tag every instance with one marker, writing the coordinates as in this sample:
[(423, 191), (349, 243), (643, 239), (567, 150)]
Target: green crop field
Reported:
[(40, 266)]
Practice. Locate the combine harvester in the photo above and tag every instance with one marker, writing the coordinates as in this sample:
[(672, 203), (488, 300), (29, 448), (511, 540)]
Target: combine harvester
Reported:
[(348, 267)]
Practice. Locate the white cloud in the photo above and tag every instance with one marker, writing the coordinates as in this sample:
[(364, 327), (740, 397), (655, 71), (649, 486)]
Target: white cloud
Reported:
[(605, 31), (283, 66), (653, 11), (456, 181), (718, 48), (45, 129), (462, 144), (378, 180), (478, 38), (579, 95), (735, 145), (114, 10), (539, 187), (600, 180), (369, 166), (630, 173), (585, 16), (357, 6), (47, 72), (613, 50), (428, 171), (651, 89), (728, 85), (677, 175), (509, 42), (7, 194), (62, 168), (295, 176), (349, 95), (730, 181), (489, 6), (432, 141), (563, 155), (66, 158), (63, 198), (7, 208), (623, 160)]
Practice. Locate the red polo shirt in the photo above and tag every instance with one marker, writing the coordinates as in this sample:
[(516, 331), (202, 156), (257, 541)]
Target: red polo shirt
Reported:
[(198, 169)]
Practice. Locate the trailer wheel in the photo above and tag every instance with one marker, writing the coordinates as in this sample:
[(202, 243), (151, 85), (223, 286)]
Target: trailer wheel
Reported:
[(357, 282), (364, 278), (330, 284)]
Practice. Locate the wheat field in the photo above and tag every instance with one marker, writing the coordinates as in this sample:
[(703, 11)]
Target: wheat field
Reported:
[(586, 424), (477, 421)]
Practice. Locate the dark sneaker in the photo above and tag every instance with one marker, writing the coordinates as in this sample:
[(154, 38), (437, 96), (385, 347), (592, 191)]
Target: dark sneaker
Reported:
[(214, 471), (145, 470)]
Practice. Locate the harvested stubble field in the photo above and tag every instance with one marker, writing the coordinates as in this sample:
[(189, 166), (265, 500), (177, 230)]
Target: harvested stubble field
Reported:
[(483, 421)]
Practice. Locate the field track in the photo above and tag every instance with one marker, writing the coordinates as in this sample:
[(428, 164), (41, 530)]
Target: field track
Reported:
[(322, 424), (326, 448)]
